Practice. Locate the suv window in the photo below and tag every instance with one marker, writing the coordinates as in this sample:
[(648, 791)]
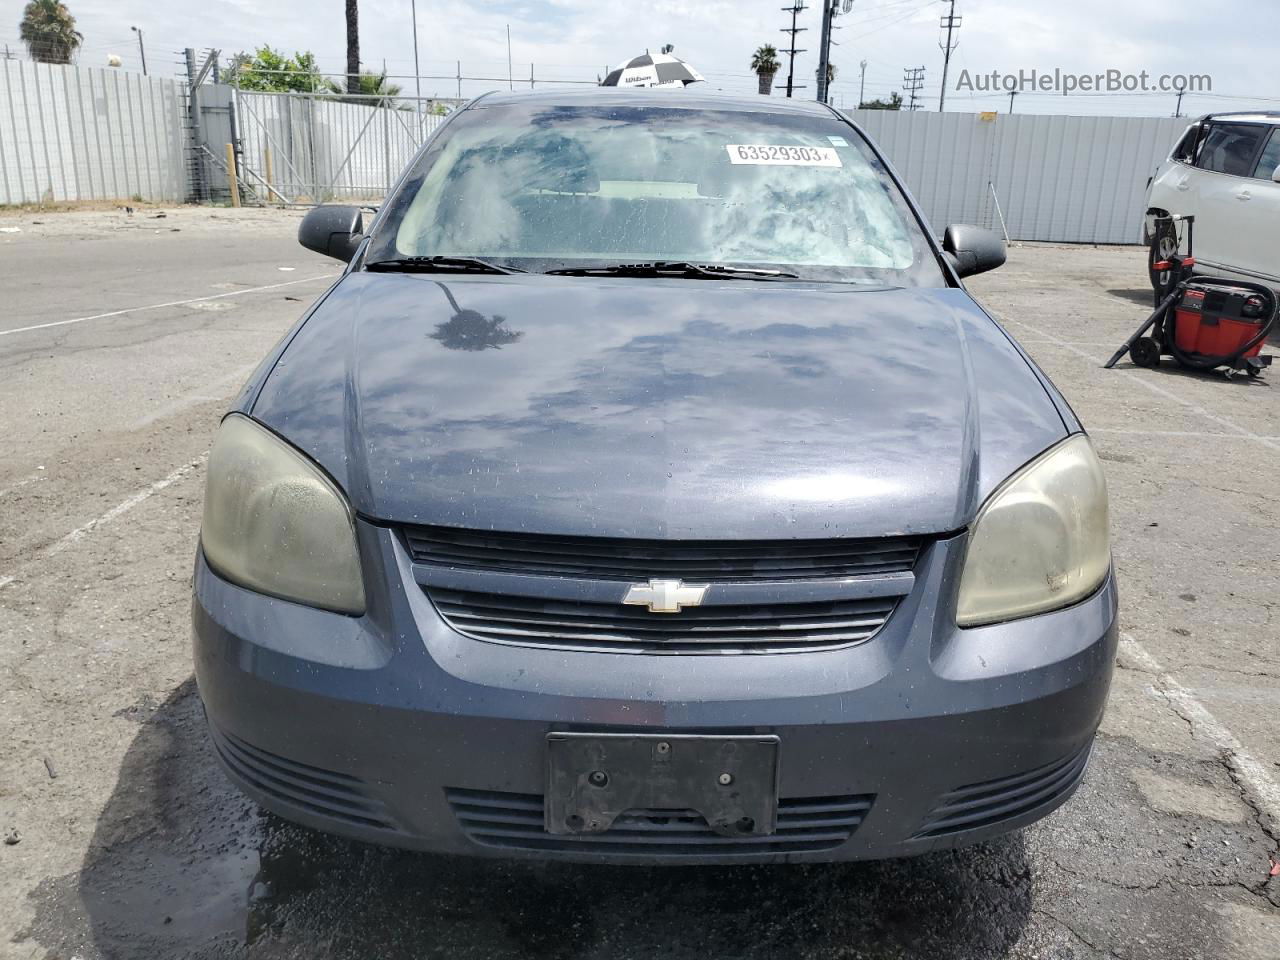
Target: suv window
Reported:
[(1185, 151), (1231, 147), (1270, 158)]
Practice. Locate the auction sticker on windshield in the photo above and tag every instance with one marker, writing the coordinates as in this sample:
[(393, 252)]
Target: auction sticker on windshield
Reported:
[(777, 155)]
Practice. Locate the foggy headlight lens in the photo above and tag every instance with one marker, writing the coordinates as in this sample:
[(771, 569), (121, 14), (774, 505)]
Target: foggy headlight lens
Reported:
[(1041, 542), (273, 522)]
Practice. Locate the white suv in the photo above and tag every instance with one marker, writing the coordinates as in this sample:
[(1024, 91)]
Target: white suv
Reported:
[(1225, 171)]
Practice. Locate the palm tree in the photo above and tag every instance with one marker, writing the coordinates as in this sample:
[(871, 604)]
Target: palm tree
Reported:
[(353, 47), (765, 63), (49, 31), (368, 85), (831, 77)]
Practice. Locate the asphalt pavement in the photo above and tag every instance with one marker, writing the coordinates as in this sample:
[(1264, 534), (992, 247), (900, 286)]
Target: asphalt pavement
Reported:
[(123, 339)]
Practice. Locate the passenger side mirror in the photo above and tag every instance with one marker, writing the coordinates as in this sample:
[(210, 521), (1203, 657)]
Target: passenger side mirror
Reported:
[(1275, 175), (973, 250), (335, 231)]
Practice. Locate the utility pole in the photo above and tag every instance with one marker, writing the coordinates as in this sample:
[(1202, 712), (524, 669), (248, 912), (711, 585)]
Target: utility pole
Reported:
[(862, 85), (417, 73), (951, 23), (824, 48), (417, 79), (913, 83), (1177, 112), (141, 50), (795, 10), (1012, 94)]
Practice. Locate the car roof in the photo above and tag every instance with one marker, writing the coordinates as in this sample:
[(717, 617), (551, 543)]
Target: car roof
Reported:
[(1257, 116), (688, 98)]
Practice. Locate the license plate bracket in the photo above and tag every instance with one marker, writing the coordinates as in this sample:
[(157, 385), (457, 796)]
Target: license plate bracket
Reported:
[(592, 778)]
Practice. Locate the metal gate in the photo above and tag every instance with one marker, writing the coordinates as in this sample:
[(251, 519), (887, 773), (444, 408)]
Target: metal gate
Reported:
[(307, 148)]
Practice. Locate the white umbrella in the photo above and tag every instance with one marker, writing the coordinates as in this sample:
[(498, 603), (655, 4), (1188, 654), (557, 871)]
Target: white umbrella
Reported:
[(652, 70)]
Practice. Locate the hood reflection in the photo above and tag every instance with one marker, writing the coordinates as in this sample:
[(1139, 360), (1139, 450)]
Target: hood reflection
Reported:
[(703, 410), (472, 330)]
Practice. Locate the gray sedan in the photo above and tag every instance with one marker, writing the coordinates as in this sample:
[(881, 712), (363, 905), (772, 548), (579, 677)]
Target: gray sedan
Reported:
[(649, 489)]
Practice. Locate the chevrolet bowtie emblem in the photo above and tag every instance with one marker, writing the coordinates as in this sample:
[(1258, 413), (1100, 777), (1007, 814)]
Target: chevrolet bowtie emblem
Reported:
[(664, 596)]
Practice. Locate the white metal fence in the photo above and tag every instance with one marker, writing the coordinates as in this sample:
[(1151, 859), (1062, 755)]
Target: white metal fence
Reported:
[(75, 134), (1071, 179), (306, 148)]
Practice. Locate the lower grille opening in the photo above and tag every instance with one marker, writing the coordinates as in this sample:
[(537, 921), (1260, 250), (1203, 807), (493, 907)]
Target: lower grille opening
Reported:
[(994, 801), (515, 821), (318, 791), (580, 625)]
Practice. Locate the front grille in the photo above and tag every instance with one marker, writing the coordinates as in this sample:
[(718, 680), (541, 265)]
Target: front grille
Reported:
[(603, 558), (322, 792), (989, 803), (569, 624), (515, 821)]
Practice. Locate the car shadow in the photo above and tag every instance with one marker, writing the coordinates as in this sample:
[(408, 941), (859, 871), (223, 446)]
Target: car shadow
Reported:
[(1143, 296), (182, 865), (1170, 367)]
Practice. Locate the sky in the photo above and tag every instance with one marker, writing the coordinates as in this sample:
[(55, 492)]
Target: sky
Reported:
[(574, 40)]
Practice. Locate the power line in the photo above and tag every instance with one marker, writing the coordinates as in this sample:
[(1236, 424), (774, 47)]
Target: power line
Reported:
[(906, 16), (950, 23)]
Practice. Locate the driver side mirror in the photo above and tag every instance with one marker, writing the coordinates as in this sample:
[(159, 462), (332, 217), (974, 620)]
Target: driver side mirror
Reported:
[(1275, 175), (973, 250), (335, 231)]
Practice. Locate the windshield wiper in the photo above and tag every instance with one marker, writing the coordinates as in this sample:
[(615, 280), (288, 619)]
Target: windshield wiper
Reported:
[(676, 268), (440, 264)]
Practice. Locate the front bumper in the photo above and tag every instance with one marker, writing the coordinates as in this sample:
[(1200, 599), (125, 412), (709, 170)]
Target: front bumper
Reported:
[(396, 729)]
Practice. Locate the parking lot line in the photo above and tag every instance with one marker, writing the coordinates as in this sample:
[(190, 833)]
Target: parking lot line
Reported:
[(1245, 769), (161, 306), (128, 504), (124, 506), (1155, 388), (209, 393), (1192, 434), (18, 485)]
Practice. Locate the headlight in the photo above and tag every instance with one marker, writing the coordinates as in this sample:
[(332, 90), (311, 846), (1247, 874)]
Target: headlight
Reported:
[(274, 523), (1040, 542)]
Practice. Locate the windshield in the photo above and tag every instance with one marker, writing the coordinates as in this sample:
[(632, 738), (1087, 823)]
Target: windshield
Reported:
[(544, 187)]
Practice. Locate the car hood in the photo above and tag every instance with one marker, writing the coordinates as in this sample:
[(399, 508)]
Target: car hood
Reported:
[(664, 408)]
